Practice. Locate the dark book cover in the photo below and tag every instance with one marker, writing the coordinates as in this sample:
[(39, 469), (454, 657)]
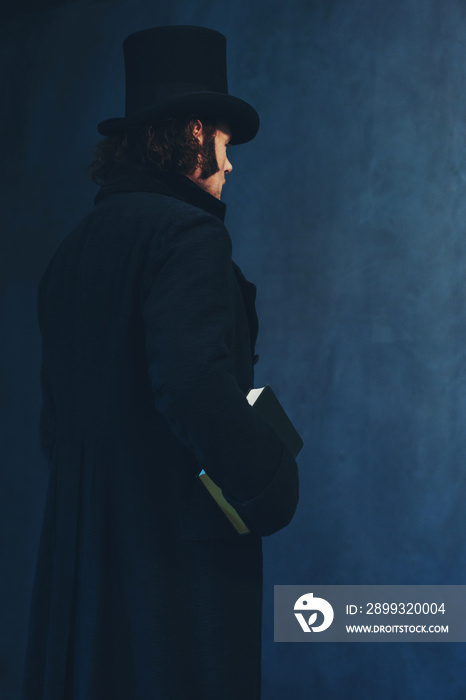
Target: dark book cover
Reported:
[(270, 408)]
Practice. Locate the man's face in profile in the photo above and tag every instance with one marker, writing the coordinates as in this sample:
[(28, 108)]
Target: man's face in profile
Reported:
[(210, 174)]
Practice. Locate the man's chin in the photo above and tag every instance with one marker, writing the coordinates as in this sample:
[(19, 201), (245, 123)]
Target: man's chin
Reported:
[(210, 184)]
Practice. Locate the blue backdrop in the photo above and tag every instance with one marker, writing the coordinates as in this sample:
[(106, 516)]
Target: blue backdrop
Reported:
[(349, 212)]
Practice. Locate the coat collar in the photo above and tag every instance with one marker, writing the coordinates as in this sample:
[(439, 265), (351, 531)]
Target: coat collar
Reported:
[(170, 184)]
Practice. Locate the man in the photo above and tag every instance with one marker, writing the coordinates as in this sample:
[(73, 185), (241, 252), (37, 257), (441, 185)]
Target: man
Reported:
[(144, 590)]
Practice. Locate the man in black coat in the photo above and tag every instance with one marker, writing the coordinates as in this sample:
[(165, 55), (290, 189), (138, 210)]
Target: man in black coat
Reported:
[(144, 590)]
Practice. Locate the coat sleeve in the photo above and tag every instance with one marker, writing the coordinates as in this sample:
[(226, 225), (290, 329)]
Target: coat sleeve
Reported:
[(189, 316)]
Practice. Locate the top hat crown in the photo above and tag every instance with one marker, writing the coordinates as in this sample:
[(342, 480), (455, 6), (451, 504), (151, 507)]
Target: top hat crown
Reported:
[(178, 72)]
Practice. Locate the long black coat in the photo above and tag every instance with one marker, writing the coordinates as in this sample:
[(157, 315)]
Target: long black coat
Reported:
[(143, 589)]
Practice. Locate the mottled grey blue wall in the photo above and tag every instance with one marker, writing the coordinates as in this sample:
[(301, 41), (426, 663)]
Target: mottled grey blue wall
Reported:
[(349, 212)]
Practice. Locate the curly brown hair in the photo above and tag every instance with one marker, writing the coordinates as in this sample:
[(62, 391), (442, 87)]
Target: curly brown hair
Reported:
[(167, 145)]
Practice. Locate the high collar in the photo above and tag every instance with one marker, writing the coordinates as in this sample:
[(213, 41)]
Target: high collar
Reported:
[(170, 184)]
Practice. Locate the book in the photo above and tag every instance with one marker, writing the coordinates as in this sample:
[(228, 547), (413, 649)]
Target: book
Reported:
[(267, 404)]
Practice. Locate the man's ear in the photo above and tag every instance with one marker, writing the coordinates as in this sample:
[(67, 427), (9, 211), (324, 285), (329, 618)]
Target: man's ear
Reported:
[(197, 130)]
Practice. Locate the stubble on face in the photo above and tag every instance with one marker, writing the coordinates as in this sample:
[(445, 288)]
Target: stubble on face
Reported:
[(209, 165)]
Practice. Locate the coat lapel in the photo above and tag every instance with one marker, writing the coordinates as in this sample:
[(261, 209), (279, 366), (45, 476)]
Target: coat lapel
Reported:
[(248, 291)]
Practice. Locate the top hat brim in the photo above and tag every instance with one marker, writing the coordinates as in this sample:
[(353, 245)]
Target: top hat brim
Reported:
[(241, 118)]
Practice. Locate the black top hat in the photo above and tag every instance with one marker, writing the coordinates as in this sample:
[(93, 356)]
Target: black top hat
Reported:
[(176, 72)]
